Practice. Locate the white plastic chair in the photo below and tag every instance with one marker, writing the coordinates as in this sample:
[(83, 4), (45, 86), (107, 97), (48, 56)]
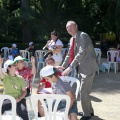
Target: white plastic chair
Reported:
[(98, 55), (49, 113), (29, 96), (25, 54), (6, 52), (39, 57), (72, 81), (13, 110), (112, 57), (32, 84)]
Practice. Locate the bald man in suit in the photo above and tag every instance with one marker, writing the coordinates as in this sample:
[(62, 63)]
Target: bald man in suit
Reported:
[(86, 63)]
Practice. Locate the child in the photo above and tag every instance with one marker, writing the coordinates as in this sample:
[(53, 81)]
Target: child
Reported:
[(14, 85), (44, 83), (50, 73), (26, 72)]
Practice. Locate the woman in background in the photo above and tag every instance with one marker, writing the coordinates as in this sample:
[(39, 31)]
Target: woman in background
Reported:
[(55, 46)]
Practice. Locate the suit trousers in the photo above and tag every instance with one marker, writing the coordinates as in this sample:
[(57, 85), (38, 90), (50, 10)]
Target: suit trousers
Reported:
[(86, 82), (21, 108)]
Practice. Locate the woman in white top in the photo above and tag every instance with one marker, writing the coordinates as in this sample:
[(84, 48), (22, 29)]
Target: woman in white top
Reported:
[(55, 46)]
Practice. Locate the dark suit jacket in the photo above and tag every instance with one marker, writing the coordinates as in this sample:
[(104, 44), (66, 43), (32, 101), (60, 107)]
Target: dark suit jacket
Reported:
[(85, 58)]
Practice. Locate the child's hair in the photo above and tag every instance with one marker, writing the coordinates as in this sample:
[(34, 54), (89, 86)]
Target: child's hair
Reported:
[(49, 58)]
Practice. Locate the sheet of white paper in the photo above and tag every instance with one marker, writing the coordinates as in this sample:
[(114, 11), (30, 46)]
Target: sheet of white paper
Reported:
[(46, 90)]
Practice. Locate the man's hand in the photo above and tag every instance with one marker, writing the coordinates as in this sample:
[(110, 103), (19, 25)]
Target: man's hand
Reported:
[(60, 68), (66, 71)]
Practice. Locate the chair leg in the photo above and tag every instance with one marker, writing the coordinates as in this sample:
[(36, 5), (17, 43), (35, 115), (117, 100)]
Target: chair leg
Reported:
[(115, 68), (98, 72), (37, 67), (109, 67), (30, 115)]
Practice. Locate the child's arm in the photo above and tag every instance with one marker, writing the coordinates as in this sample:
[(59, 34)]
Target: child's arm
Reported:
[(23, 94), (72, 97), (33, 65), (1, 73), (41, 86)]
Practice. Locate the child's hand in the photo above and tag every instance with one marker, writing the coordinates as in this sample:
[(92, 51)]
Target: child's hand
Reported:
[(41, 86), (1, 61), (33, 59)]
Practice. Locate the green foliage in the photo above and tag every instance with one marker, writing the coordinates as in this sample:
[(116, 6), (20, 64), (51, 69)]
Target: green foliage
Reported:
[(33, 20)]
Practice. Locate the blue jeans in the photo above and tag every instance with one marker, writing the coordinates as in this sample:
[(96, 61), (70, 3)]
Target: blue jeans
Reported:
[(62, 105)]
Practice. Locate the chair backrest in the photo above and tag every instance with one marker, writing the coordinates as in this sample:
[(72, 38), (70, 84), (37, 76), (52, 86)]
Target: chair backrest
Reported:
[(39, 54), (6, 51), (13, 102), (50, 114), (64, 51), (112, 55), (25, 54), (72, 81), (98, 53), (32, 82)]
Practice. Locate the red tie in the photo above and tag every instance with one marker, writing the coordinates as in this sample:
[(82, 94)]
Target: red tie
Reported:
[(72, 51)]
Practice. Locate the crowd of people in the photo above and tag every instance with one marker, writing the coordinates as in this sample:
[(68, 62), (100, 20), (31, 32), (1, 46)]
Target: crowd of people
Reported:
[(80, 56)]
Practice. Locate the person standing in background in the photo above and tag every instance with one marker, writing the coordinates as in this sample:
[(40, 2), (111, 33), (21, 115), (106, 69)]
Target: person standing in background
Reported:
[(81, 55)]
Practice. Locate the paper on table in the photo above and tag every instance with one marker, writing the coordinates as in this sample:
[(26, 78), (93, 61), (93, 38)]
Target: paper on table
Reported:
[(46, 90)]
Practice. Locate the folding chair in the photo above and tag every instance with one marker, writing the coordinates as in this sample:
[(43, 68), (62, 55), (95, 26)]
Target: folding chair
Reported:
[(49, 113), (11, 116)]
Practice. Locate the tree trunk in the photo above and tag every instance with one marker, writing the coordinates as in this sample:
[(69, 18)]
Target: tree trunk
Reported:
[(26, 20)]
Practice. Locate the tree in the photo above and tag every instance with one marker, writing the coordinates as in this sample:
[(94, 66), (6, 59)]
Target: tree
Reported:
[(25, 11)]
